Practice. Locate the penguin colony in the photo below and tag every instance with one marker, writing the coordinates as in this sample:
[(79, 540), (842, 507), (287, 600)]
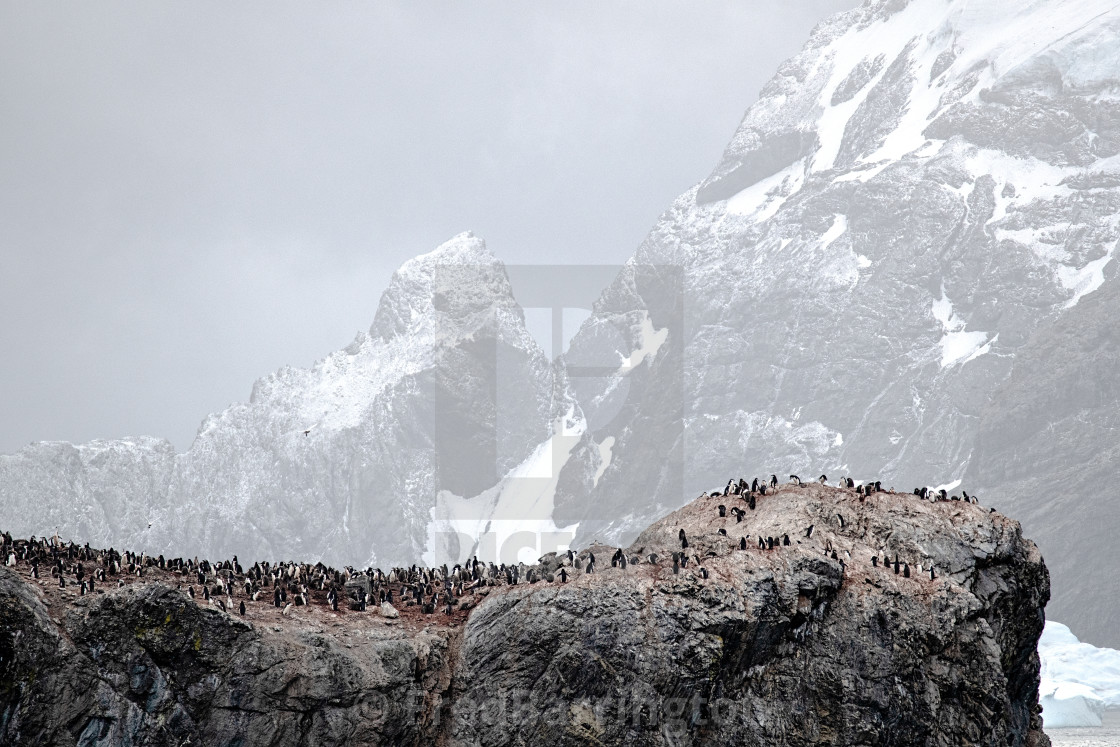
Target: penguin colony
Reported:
[(234, 589), (750, 493), (282, 587)]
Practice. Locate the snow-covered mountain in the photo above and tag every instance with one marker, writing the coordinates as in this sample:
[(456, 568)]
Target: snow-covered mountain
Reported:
[(901, 269), (340, 462)]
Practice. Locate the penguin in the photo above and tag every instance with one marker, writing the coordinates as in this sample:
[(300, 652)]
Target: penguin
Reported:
[(684, 543), (652, 558), (785, 540), (897, 566), (750, 503), (809, 532), (773, 481), (563, 575), (622, 561), (795, 479), (190, 592), (703, 572), (754, 485), (742, 543), (286, 609), (762, 490), (769, 543), (851, 482), (722, 531), (761, 543), (722, 511), (834, 556), (875, 561), (932, 576), (676, 565), (842, 523), (906, 570), (822, 479)]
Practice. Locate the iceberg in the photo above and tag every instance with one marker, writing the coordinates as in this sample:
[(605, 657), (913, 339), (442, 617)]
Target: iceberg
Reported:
[(1066, 705), (1079, 681)]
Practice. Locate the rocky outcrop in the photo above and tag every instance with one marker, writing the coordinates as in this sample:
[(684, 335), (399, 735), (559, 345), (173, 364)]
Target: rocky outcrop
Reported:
[(805, 643)]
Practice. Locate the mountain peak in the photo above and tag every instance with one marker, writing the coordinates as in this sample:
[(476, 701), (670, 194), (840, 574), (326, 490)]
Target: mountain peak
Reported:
[(447, 290)]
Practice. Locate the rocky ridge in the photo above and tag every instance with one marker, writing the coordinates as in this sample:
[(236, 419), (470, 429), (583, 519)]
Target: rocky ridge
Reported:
[(805, 643)]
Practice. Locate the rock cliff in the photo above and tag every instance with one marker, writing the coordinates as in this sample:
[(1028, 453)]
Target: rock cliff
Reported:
[(805, 643)]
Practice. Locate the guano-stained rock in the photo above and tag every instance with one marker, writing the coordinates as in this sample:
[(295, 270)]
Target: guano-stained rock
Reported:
[(787, 646)]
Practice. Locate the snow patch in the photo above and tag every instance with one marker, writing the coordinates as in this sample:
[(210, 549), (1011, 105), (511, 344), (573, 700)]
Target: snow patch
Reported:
[(512, 521), (604, 458), (835, 231), (1084, 280), (889, 38), (957, 345), (650, 341), (948, 486)]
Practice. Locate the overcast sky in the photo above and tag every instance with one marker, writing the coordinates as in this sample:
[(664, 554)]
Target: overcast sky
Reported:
[(195, 194)]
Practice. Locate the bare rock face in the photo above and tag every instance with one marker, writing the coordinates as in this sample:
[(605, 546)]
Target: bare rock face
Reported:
[(780, 646), (145, 665), (805, 643)]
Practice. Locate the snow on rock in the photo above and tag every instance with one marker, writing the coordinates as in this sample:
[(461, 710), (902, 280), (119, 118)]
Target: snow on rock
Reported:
[(650, 341), (512, 521), (956, 344), (914, 199)]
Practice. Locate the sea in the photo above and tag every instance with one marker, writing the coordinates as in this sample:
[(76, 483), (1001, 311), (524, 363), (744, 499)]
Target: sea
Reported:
[(1108, 735)]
